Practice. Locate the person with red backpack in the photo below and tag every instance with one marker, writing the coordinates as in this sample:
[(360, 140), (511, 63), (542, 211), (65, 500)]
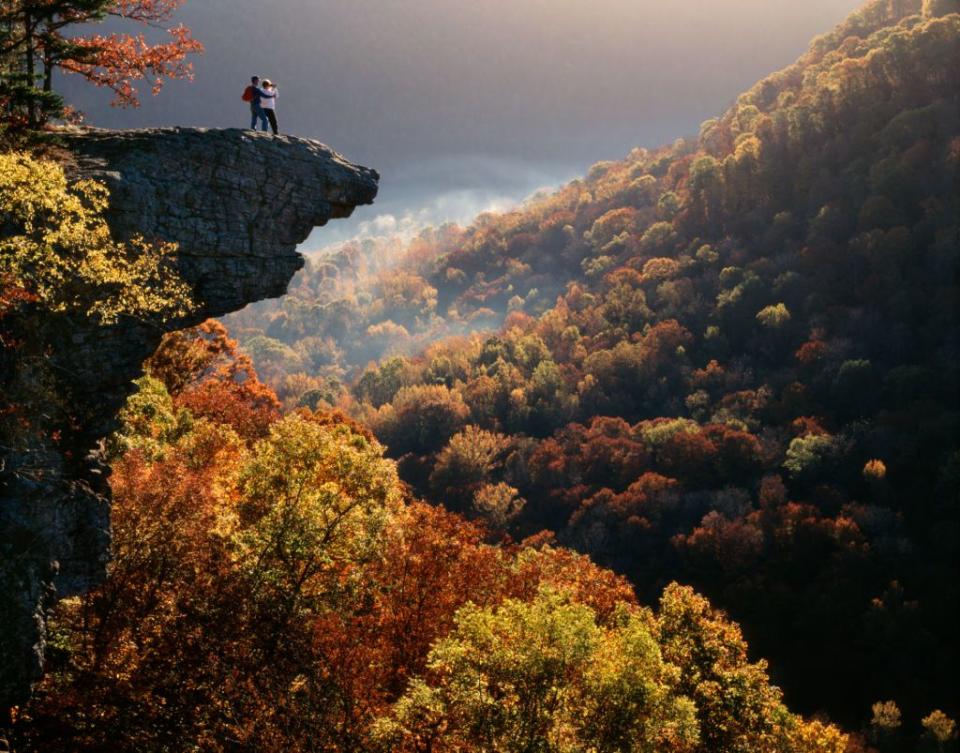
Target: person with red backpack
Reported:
[(254, 95)]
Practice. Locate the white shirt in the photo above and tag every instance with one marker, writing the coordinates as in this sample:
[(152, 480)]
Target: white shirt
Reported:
[(269, 103)]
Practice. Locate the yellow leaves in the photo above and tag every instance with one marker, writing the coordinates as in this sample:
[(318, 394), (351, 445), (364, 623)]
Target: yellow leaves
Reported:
[(774, 317), (939, 726), (886, 715), (542, 674), (314, 496), (748, 146), (817, 737), (660, 268), (57, 246), (498, 504)]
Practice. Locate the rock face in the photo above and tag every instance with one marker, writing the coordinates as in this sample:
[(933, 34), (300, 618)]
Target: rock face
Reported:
[(237, 203)]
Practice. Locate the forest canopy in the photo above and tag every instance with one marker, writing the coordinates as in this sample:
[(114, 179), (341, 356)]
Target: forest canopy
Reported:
[(274, 586), (730, 361), (665, 460)]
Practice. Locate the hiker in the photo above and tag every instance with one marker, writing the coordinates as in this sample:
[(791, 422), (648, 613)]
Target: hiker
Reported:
[(255, 95), (269, 104)]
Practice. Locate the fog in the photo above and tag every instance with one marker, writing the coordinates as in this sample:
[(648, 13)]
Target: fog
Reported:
[(466, 105)]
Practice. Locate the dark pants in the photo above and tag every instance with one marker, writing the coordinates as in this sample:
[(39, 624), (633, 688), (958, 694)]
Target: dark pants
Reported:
[(272, 117)]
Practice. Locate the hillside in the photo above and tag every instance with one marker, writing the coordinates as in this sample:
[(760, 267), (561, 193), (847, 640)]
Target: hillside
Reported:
[(730, 361), (667, 460)]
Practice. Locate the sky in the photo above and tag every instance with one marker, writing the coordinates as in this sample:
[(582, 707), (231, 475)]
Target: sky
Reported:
[(464, 106)]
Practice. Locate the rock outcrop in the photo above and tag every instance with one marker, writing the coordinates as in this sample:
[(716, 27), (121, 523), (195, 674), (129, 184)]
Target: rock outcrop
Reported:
[(237, 203)]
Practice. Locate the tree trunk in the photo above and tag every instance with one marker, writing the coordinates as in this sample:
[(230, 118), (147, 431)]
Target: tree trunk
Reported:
[(47, 39), (30, 69), (47, 73)]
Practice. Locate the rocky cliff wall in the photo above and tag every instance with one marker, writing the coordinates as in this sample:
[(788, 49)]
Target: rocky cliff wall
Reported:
[(237, 203)]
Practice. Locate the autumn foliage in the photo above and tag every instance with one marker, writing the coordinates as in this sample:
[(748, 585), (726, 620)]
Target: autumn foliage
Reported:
[(58, 259), (279, 589), (205, 373), (38, 38), (730, 363), (726, 362)]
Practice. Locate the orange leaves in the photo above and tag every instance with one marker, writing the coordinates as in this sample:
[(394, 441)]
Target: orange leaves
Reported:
[(811, 352), (432, 563), (205, 372), (688, 455), (12, 297), (249, 606), (600, 589), (187, 355), (239, 400), (181, 642), (117, 61)]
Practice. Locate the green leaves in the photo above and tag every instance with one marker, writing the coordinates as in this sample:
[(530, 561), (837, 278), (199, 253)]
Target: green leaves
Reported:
[(543, 675), (313, 497)]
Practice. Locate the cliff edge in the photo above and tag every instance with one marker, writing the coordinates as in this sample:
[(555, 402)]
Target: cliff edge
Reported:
[(238, 203)]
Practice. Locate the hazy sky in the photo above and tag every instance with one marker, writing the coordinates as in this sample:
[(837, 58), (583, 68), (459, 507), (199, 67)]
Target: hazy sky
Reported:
[(461, 104)]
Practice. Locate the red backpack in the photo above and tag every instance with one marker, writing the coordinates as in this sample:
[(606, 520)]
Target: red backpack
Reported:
[(247, 94)]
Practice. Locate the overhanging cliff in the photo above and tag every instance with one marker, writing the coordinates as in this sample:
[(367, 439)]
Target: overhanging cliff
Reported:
[(237, 203)]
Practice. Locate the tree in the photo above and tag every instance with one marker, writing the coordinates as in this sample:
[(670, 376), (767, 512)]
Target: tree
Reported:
[(812, 455), (57, 247), (886, 721), (120, 656), (36, 40), (205, 371), (379, 385), (498, 504), (737, 709), (774, 317), (542, 676), (705, 184), (940, 727), (226, 388), (239, 579), (150, 422), (57, 258), (421, 419), (466, 463), (223, 385), (187, 356), (313, 494)]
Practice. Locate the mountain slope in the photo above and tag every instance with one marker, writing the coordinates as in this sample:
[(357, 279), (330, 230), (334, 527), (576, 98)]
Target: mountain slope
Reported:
[(749, 379)]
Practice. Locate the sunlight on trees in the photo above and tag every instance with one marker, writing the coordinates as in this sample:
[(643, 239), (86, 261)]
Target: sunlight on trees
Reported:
[(57, 249)]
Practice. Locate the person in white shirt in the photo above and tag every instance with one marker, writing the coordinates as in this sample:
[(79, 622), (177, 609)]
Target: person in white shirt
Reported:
[(269, 104)]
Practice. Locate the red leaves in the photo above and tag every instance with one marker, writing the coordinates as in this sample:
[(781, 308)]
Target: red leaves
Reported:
[(205, 372), (12, 297), (116, 61), (812, 352)]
